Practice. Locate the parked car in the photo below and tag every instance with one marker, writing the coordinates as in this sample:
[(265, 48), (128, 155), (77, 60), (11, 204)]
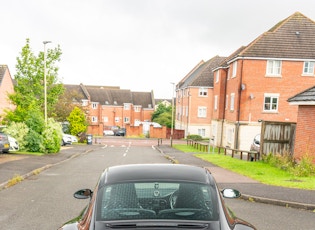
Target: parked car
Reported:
[(66, 139), (4, 143), (14, 145), (156, 196), (255, 146), (120, 132), (108, 133)]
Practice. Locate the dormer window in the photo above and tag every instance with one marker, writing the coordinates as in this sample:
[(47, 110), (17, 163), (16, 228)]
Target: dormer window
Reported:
[(84, 102), (106, 102), (126, 106), (115, 102)]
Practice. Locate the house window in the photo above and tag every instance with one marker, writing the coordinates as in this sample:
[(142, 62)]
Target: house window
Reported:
[(203, 92), (137, 108), (226, 102), (94, 105), (202, 111), (215, 102), (202, 132), (105, 119), (117, 119), (94, 119), (308, 68), (271, 102), (232, 101), (126, 106), (186, 111), (234, 69), (126, 119), (84, 102), (230, 132), (217, 76), (273, 67)]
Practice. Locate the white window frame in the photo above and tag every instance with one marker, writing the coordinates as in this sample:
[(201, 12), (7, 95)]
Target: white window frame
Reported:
[(232, 101), (274, 68), (202, 132), (215, 104), (186, 111), (94, 119), (234, 70), (85, 102), (126, 119), (137, 108), (105, 119), (217, 76), (308, 68), (203, 92), (273, 103), (94, 105), (117, 119), (126, 106), (226, 102), (202, 111)]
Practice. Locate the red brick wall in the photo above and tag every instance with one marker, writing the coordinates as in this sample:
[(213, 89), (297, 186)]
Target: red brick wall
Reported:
[(305, 129)]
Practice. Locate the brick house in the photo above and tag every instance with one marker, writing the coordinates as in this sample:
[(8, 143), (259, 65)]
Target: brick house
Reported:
[(111, 106), (255, 82), (194, 98), (305, 127), (6, 87)]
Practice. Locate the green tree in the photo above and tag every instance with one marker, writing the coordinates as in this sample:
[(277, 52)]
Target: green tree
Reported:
[(29, 77), (77, 120), (163, 115)]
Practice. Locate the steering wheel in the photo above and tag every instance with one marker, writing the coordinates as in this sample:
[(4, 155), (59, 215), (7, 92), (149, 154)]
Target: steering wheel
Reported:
[(173, 199)]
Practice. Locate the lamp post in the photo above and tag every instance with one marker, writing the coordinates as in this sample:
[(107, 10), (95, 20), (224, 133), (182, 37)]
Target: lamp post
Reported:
[(172, 124), (45, 82)]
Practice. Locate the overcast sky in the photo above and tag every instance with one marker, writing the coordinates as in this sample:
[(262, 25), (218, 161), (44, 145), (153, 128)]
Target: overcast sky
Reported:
[(141, 45)]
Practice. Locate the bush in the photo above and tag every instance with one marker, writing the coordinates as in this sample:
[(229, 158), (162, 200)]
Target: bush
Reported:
[(286, 162), (52, 137), (194, 137), (18, 130)]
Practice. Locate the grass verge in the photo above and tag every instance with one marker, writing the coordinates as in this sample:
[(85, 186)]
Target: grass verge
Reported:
[(259, 171)]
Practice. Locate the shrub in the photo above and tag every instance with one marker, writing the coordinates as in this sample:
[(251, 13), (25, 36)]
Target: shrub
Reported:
[(194, 137), (18, 130), (52, 136), (305, 167)]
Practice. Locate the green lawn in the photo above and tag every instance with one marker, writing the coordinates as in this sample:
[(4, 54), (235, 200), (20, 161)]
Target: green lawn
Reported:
[(256, 170)]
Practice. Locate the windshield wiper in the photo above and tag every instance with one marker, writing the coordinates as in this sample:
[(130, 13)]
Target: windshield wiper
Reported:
[(158, 225)]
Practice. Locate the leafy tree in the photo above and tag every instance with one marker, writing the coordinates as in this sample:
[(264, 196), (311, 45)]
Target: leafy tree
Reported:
[(66, 103), (29, 77), (163, 115), (77, 120)]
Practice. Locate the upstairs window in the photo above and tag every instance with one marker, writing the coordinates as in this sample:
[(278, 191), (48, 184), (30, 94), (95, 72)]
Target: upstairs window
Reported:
[(234, 69), (217, 76), (273, 68), (94, 105), (137, 108), (215, 102), (271, 102), (232, 99), (126, 106), (308, 68), (85, 102), (203, 92), (202, 111)]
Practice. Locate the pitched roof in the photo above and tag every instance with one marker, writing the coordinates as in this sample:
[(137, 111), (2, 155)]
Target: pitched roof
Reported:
[(3, 68), (202, 74), (305, 97), (291, 38), (108, 95)]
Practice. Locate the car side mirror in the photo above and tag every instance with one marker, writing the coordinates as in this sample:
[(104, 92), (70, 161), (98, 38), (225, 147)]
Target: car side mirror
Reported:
[(83, 194), (230, 193)]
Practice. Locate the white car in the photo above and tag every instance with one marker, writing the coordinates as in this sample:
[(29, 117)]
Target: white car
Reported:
[(109, 133), (14, 145)]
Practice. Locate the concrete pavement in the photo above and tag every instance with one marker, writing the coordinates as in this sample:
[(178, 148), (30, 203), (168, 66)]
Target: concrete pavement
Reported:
[(13, 165)]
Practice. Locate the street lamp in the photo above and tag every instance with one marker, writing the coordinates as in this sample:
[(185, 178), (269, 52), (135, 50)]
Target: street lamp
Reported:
[(45, 82), (172, 125)]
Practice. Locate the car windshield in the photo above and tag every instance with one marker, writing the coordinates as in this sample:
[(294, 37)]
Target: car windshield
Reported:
[(157, 200)]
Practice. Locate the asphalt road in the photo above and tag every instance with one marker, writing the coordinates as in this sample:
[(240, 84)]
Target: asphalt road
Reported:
[(45, 201)]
